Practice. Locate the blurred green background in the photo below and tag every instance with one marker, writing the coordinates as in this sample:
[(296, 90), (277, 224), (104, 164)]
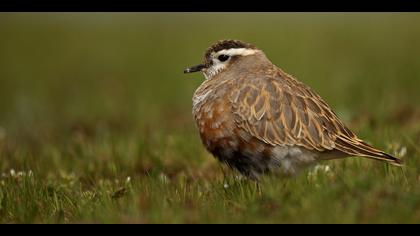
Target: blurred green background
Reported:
[(127, 67), (103, 95)]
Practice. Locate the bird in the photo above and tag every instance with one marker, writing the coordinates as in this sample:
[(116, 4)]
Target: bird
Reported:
[(258, 119)]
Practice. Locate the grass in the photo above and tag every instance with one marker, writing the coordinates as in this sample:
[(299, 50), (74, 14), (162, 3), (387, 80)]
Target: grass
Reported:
[(96, 125)]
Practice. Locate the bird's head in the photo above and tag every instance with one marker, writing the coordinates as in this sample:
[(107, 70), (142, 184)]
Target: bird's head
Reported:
[(222, 56)]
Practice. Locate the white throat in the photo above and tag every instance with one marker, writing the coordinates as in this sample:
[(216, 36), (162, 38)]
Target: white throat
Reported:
[(214, 70)]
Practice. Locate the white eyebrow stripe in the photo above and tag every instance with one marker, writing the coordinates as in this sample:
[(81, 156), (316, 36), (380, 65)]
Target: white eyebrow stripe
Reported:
[(237, 51)]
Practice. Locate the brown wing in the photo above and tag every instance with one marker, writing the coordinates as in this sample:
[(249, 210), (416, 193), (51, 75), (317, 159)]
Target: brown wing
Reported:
[(280, 110)]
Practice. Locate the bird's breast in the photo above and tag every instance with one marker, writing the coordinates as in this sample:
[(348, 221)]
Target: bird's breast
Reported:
[(212, 114)]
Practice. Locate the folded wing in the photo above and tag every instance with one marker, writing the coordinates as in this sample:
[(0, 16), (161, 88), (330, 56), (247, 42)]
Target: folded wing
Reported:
[(279, 110)]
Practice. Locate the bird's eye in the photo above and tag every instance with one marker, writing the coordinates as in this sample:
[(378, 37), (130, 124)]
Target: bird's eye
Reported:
[(223, 57)]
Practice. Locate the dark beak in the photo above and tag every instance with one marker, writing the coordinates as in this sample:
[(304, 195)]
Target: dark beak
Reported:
[(195, 68)]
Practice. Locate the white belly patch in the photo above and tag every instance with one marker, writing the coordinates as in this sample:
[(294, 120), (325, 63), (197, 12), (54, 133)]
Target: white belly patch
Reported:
[(291, 159)]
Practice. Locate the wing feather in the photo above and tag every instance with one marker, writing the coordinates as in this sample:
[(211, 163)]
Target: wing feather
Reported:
[(279, 110)]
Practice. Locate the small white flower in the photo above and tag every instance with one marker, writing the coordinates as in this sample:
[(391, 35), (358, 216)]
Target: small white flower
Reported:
[(12, 173), (318, 169), (402, 152), (324, 168), (226, 186), (239, 177), (397, 149), (128, 180), (163, 178)]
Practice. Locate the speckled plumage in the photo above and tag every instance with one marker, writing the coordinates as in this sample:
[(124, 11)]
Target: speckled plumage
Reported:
[(258, 119)]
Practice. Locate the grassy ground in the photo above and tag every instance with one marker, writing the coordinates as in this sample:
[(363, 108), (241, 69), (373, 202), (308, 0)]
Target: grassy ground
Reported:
[(96, 124)]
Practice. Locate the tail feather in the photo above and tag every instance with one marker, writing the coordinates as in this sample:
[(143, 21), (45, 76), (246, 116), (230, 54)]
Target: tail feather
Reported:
[(360, 148)]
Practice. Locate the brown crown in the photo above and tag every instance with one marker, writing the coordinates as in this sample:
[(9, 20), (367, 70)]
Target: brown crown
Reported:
[(226, 44)]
